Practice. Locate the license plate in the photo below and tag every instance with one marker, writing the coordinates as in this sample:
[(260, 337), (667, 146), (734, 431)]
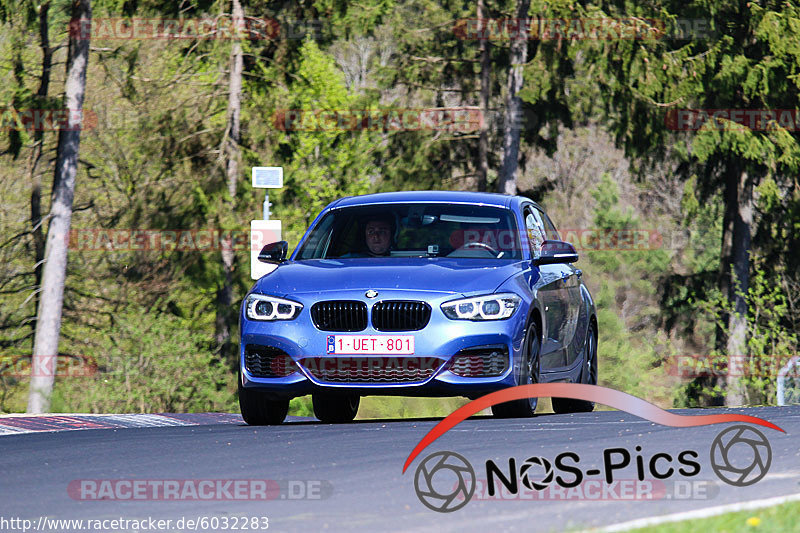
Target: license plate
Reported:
[(371, 344)]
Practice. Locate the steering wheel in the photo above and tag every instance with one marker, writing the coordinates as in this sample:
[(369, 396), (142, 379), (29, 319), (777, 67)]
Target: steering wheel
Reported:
[(483, 245)]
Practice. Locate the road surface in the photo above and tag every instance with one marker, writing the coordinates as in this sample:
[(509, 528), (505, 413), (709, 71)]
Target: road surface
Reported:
[(349, 477)]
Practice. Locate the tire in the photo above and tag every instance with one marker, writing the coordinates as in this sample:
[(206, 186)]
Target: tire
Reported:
[(588, 377), (335, 409), (258, 409), (524, 407)]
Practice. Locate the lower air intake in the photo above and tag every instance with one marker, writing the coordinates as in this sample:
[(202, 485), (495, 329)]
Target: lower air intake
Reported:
[(268, 362), (480, 362)]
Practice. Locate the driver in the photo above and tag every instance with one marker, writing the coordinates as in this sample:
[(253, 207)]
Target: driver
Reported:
[(378, 235)]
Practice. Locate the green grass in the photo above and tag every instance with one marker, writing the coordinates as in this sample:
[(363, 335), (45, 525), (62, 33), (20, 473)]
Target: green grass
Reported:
[(776, 519), (380, 407)]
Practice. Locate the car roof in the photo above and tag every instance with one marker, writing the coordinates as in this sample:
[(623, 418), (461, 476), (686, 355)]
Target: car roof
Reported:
[(462, 197)]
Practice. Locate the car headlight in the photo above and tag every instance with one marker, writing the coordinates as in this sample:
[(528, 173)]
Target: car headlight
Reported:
[(262, 307), (489, 307)]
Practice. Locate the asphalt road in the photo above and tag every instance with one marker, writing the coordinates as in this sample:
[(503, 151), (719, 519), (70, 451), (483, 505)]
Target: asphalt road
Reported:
[(352, 472)]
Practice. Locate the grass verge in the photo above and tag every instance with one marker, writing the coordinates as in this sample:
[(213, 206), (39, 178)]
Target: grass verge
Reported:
[(777, 519)]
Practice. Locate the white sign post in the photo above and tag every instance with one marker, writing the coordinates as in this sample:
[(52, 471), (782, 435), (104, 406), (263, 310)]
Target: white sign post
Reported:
[(266, 231), (267, 178)]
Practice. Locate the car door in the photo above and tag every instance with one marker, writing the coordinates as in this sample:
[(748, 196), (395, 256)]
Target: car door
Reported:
[(550, 293), (571, 337)]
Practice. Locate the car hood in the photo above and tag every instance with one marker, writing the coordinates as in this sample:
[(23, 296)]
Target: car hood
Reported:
[(440, 275)]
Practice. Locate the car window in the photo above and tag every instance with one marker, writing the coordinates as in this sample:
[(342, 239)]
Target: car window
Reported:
[(549, 227), (319, 241), (415, 230), (535, 230)]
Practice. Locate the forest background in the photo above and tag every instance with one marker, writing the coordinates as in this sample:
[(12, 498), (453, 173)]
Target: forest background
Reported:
[(596, 94)]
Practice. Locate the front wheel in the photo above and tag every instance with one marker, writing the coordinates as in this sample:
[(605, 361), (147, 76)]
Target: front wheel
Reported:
[(529, 374), (335, 409), (258, 409), (588, 377)]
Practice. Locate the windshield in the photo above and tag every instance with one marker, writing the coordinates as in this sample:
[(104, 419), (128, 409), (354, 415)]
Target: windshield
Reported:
[(414, 230)]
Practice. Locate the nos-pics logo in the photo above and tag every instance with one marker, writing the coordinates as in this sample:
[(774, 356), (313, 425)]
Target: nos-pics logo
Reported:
[(445, 481)]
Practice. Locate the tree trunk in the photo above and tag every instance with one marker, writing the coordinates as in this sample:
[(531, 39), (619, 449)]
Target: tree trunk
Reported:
[(225, 293), (486, 88), (507, 180), (705, 386), (36, 154), (235, 103), (730, 193), (48, 324), (737, 321)]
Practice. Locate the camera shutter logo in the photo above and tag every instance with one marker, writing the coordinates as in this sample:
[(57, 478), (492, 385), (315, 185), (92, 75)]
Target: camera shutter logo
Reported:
[(450, 467), (524, 473), (730, 450)]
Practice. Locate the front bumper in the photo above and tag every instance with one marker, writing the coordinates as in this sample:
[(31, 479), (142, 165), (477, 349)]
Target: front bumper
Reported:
[(442, 339)]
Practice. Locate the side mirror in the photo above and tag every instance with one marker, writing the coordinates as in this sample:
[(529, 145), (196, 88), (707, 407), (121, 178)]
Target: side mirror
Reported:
[(557, 252), (274, 252)]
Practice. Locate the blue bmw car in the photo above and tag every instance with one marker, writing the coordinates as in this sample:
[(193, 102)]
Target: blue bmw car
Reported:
[(428, 293)]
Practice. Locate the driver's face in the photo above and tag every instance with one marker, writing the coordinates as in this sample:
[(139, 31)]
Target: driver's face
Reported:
[(378, 235)]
